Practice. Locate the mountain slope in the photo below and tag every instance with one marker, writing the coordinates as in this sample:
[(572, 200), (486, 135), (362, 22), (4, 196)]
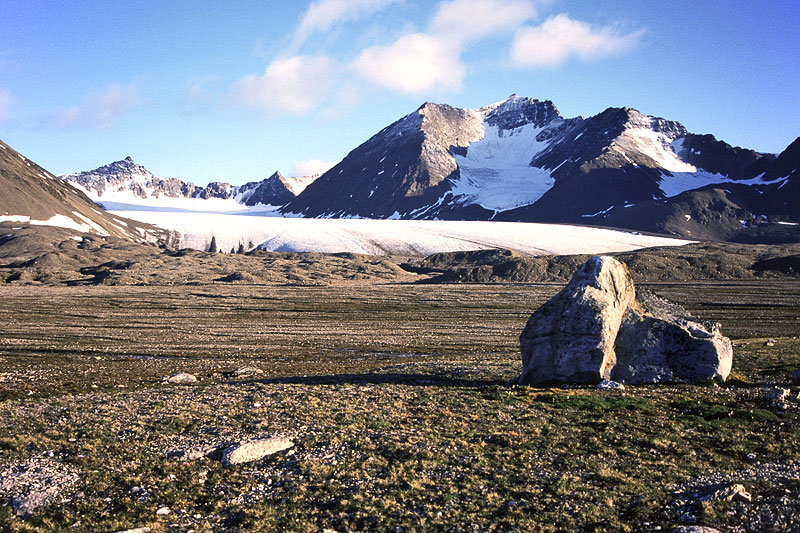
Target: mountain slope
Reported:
[(32, 196)]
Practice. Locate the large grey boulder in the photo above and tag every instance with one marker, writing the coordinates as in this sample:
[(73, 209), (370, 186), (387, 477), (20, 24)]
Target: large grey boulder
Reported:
[(570, 339), (596, 329)]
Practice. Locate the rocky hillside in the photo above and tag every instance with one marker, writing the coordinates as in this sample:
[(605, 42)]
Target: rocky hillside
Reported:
[(32, 196)]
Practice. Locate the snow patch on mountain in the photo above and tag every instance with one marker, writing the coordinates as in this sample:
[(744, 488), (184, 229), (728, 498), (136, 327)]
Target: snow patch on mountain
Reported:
[(675, 183), (496, 172), (657, 145)]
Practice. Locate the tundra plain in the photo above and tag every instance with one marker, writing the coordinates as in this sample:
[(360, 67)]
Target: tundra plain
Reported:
[(395, 394)]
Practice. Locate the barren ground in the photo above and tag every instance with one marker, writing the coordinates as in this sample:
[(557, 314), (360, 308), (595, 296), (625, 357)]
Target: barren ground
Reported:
[(395, 397)]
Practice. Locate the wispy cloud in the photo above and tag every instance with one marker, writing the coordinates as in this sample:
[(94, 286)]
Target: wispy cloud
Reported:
[(98, 111), (312, 167), (293, 85), (560, 37), (6, 103), (322, 15), (412, 64), (469, 20), (196, 97)]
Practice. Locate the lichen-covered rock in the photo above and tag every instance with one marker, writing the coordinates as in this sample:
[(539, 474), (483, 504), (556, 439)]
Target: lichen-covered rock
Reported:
[(659, 342), (570, 339), (596, 329)]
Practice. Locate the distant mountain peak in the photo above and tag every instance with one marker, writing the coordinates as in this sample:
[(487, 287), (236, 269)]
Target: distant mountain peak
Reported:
[(516, 111)]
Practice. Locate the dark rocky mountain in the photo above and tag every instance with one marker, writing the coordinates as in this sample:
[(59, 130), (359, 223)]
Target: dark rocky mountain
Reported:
[(33, 197), (125, 180), (521, 160), (275, 190)]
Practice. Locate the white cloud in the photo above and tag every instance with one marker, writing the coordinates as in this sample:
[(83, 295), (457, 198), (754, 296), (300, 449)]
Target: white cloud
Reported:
[(294, 85), (6, 102), (467, 20), (418, 62), (312, 167), (100, 111), (414, 63), (560, 37), (322, 15), (66, 118)]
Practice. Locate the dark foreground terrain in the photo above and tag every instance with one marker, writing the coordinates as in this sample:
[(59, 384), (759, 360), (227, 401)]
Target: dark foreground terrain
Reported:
[(395, 396)]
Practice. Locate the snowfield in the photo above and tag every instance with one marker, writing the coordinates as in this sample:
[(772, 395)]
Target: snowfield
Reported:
[(386, 237), (496, 172)]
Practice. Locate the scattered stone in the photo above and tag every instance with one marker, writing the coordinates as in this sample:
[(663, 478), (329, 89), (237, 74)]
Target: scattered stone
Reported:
[(140, 493), (607, 384), (35, 484), (181, 378), (596, 329), (247, 371), (734, 492), (249, 451), (777, 394), (164, 511)]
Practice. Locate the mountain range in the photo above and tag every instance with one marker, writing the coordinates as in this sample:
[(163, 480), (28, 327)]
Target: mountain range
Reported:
[(521, 160), (126, 180), (515, 160)]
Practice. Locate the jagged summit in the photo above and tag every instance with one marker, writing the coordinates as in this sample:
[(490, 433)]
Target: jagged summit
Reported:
[(516, 111)]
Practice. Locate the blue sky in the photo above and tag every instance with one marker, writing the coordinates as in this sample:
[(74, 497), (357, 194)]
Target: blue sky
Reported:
[(232, 91)]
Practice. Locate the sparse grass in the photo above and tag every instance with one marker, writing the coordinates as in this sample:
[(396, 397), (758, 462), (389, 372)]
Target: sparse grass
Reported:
[(395, 397)]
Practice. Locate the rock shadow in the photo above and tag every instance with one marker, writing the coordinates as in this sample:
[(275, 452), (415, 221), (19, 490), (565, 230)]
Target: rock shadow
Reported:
[(389, 378)]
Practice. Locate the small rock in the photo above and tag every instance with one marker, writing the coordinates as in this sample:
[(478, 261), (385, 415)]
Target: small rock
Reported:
[(751, 457), (695, 529), (249, 451), (181, 378), (164, 511), (777, 394), (734, 492), (248, 371), (796, 377), (139, 492), (136, 530), (770, 342), (607, 384)]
